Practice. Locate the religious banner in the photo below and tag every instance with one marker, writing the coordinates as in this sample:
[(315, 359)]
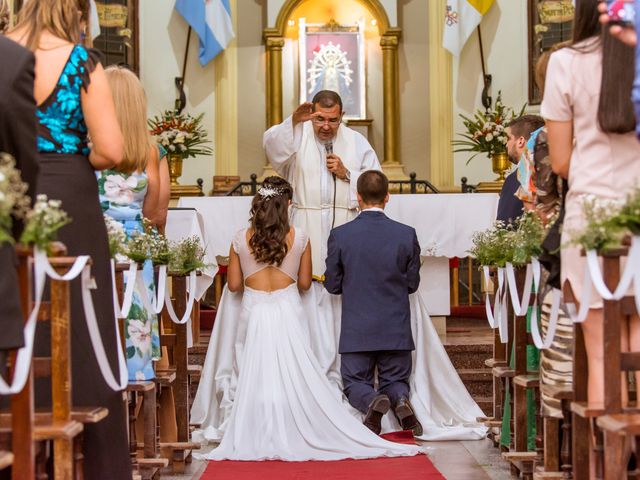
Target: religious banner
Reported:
[(112, 15), (332, 57), (555, 11)]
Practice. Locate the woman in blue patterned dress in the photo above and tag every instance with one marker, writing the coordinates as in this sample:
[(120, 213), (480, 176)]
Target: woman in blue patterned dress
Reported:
[(74, 101), (138, 188)]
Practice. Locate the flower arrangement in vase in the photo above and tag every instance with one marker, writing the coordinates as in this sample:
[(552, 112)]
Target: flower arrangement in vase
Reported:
[(182, 135), (485, 133)]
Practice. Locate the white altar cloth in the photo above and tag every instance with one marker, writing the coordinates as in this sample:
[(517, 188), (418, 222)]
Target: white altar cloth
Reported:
[(444, 224)]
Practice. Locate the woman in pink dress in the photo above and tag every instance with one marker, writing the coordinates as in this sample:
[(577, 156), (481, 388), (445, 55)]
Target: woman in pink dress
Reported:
[(590, 124)]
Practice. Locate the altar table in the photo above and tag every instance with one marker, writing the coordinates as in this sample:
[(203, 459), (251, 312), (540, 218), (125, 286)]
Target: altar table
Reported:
[(444, 224)]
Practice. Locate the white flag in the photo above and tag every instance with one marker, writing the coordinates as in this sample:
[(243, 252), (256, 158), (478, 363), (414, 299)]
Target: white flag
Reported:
[(461, 19)]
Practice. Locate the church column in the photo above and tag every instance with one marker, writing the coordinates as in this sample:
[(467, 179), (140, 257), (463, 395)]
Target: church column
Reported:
[(274, 80), (391, 163), (226, 98), (440, 101)]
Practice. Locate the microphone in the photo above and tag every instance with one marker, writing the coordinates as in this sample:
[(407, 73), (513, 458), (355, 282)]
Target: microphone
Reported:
[(328, 148)]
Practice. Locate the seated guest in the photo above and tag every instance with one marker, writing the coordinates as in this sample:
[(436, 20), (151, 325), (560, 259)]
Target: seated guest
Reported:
[(518, 133)]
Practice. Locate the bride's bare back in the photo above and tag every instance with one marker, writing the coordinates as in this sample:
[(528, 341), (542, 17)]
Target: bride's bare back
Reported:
[(245, 270)]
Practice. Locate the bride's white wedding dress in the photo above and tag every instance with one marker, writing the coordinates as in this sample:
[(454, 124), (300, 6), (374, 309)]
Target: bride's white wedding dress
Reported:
[(441, 401), (284, 406)]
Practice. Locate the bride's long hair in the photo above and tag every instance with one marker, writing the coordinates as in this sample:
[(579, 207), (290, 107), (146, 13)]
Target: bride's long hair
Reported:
[(270, 221)]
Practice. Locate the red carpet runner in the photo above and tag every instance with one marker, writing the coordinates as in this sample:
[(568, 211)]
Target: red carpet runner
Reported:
[(401, 468)]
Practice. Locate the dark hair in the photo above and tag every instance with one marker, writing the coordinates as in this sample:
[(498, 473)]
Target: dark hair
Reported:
[(586, 20), (373, 187), (327, 99), (270, 221), (525, 125), (615, 109)]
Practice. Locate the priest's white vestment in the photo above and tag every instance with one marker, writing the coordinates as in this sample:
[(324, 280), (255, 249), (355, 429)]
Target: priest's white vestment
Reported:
[(297, 155)]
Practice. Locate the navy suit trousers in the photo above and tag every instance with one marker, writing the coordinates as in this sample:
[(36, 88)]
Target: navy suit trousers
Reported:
[(358, 376)]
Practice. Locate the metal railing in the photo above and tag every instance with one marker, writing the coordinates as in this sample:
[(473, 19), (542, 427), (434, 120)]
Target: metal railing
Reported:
[(395, 186)]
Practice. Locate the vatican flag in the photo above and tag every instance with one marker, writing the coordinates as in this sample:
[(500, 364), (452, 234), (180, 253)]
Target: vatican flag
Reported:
[(461, 18)]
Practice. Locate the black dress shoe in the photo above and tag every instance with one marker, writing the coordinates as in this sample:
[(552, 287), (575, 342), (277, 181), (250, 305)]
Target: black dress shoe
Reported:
[(407, 417), (373, 419)]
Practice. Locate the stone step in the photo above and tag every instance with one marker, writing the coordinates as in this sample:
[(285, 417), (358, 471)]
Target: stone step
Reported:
[(468, 356), (478, 381), (485, 404)]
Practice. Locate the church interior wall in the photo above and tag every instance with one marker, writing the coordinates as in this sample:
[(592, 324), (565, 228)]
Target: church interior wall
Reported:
[(163, 35), (251, 112), (162, 40), (414, 86), (504, 37)]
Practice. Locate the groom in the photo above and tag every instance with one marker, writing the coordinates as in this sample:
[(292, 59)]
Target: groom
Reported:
[(374, 263)]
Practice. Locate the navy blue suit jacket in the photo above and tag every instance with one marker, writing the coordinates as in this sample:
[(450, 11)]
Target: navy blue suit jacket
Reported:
[(374, 262), (509, 206)]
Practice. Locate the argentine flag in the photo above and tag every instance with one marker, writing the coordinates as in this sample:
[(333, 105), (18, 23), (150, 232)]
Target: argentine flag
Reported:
[(461, 19), (211, 20)]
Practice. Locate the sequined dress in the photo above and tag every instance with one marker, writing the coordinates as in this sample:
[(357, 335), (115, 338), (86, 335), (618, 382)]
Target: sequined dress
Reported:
[(67, 175)]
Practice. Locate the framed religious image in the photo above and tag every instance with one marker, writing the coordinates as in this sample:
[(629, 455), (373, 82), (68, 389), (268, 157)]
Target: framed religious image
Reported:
[(118, 39), (550, 23), (332, 57)]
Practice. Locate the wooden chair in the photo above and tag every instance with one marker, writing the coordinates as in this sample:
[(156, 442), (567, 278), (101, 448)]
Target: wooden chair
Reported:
[(141, 396)]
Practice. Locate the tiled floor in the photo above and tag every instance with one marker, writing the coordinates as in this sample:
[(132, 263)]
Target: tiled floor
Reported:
[(469, 460)]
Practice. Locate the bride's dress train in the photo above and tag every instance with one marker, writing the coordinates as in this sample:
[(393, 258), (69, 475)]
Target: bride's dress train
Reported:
[(441, 401), (284, 407)]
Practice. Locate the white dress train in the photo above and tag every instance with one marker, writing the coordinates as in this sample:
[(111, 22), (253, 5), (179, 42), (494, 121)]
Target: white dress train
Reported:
[(284, 407), (441, 401)]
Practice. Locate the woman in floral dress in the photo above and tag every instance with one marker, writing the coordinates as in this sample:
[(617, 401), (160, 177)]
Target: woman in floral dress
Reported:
[(138, 189)]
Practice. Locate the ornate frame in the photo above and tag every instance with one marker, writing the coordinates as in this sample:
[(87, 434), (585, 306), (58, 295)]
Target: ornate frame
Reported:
[(334, 29)]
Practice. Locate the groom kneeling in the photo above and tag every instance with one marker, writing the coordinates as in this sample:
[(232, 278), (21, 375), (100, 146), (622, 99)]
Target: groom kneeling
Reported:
[(374, 263)]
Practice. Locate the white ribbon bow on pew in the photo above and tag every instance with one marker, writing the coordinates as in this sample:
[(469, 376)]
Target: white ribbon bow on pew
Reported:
[(500, 319), (190, 301)]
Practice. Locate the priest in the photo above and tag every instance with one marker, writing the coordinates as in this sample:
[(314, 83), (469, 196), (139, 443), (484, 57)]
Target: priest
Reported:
[(322, 159)]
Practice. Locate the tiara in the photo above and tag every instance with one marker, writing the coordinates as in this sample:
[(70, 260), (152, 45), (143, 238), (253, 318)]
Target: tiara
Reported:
[(268, 192)]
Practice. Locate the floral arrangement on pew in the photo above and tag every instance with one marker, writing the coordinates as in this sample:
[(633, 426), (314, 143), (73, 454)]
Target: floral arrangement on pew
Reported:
[(13, 199), (187, 256), (607, 222), (515, 244), (43, 222)]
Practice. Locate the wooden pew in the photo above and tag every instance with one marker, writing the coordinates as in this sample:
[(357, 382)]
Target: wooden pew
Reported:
[(179, 373), (523, 379), (57, 425), (615, 424), (141, 396)]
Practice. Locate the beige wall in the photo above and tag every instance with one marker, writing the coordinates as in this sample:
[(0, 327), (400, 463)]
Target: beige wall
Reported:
[(504, 36), (163, 34), (251, 116), (414, 87)]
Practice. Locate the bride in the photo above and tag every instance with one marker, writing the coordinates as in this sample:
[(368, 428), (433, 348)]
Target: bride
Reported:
[(284, 406)]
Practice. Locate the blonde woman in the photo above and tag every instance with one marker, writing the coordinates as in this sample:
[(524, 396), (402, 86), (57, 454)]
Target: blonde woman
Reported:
[(138, 188), (74, 101)]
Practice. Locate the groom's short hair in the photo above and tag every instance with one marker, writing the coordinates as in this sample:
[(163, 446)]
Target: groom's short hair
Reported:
[(373, 187)]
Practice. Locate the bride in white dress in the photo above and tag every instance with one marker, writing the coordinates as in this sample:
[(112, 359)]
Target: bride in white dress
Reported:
[(284, 407)]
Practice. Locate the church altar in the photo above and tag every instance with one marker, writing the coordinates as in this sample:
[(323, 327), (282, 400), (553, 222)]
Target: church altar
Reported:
[(444, 224)]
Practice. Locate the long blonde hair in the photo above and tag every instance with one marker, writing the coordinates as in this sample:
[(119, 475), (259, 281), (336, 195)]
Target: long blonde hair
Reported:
[(58, 17), (131, 110)]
